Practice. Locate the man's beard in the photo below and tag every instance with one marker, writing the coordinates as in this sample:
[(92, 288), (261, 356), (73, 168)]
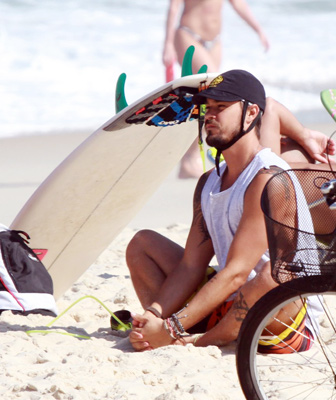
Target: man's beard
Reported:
[(220, 141)]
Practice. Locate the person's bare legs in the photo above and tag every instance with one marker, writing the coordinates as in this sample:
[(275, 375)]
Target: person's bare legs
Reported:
[(191, 165), (211, 57), (293, 153), (150, 258), (270, 127), (278, 121)]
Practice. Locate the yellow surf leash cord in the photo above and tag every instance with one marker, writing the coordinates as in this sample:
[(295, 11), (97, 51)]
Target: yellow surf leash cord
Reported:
[(201, 149), (46, 331), (200, 139)]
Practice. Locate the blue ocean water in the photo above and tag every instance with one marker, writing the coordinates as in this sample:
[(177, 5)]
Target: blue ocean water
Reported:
[(60, 59)]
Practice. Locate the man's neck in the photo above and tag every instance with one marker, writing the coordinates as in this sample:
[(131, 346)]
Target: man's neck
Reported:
[(237, 158)]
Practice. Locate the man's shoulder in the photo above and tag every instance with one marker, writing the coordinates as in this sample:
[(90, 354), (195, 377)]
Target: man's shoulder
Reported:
[(262, 177), (269, 158), (270, 171), (200, 185)]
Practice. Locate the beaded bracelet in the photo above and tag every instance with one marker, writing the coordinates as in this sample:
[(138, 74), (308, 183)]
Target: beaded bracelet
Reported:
[(177, 323), (168, 329)]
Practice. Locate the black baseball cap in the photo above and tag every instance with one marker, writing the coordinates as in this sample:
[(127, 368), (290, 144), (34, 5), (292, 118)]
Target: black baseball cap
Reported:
[(234, 85)]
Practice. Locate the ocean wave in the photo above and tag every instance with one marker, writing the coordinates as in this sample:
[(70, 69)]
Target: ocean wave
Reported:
[(60, 60)]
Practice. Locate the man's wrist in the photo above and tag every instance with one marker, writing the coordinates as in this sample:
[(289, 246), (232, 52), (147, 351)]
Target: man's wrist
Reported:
[(154, 311)]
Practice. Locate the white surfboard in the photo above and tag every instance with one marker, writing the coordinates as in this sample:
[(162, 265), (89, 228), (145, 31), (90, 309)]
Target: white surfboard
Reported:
[(96, 191)]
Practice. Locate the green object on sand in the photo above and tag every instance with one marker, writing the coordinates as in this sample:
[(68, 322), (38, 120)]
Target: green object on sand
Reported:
[(121, 320)]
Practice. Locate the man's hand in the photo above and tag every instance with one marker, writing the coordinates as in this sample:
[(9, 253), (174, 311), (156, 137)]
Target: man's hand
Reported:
[(318, 145), (148, 332)]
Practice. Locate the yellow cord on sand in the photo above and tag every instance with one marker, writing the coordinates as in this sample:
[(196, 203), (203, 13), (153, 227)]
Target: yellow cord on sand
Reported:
[(65, 311)]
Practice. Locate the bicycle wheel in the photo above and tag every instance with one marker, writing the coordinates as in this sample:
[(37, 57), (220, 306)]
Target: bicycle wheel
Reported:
[(301, 375)]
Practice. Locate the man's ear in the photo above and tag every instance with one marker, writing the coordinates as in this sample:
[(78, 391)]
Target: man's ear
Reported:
[(252, 112)]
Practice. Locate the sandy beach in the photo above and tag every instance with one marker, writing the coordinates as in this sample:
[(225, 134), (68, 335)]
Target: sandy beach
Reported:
[(60, 366)]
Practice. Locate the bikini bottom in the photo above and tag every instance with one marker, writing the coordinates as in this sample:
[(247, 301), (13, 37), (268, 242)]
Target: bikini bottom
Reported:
[(207, 44)]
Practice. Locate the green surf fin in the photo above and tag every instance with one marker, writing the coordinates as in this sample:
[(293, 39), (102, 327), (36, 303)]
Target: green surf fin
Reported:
[(328, 98), (203, 69), (187, 61), (120, 98), (186, 69)]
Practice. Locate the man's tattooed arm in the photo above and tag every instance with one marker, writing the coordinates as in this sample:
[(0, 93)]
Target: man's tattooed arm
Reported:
[(284, 184), (198, 219), (272, 170)]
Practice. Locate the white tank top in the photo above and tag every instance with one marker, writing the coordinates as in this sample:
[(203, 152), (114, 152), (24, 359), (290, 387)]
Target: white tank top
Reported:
[(222, 211)]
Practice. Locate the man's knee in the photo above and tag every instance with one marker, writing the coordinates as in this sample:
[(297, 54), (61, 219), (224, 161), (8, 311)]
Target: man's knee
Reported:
[(138, 245), (140, 241)]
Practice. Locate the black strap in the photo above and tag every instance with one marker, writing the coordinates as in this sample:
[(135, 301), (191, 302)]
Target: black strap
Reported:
[(239, 135)]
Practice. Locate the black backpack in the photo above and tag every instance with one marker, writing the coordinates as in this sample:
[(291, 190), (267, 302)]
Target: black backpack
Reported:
[(25, 284)]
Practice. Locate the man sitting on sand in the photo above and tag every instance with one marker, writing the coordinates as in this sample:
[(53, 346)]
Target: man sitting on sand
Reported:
[(227, 223)]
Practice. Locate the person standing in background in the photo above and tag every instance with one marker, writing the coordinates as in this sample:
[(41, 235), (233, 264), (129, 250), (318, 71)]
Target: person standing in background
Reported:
[(200, 25)]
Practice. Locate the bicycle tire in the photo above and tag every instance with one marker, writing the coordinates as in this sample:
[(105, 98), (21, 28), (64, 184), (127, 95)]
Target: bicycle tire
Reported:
[(306, 375)]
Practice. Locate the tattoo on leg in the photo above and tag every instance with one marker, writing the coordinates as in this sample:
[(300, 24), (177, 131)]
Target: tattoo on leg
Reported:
[(240, 308)]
